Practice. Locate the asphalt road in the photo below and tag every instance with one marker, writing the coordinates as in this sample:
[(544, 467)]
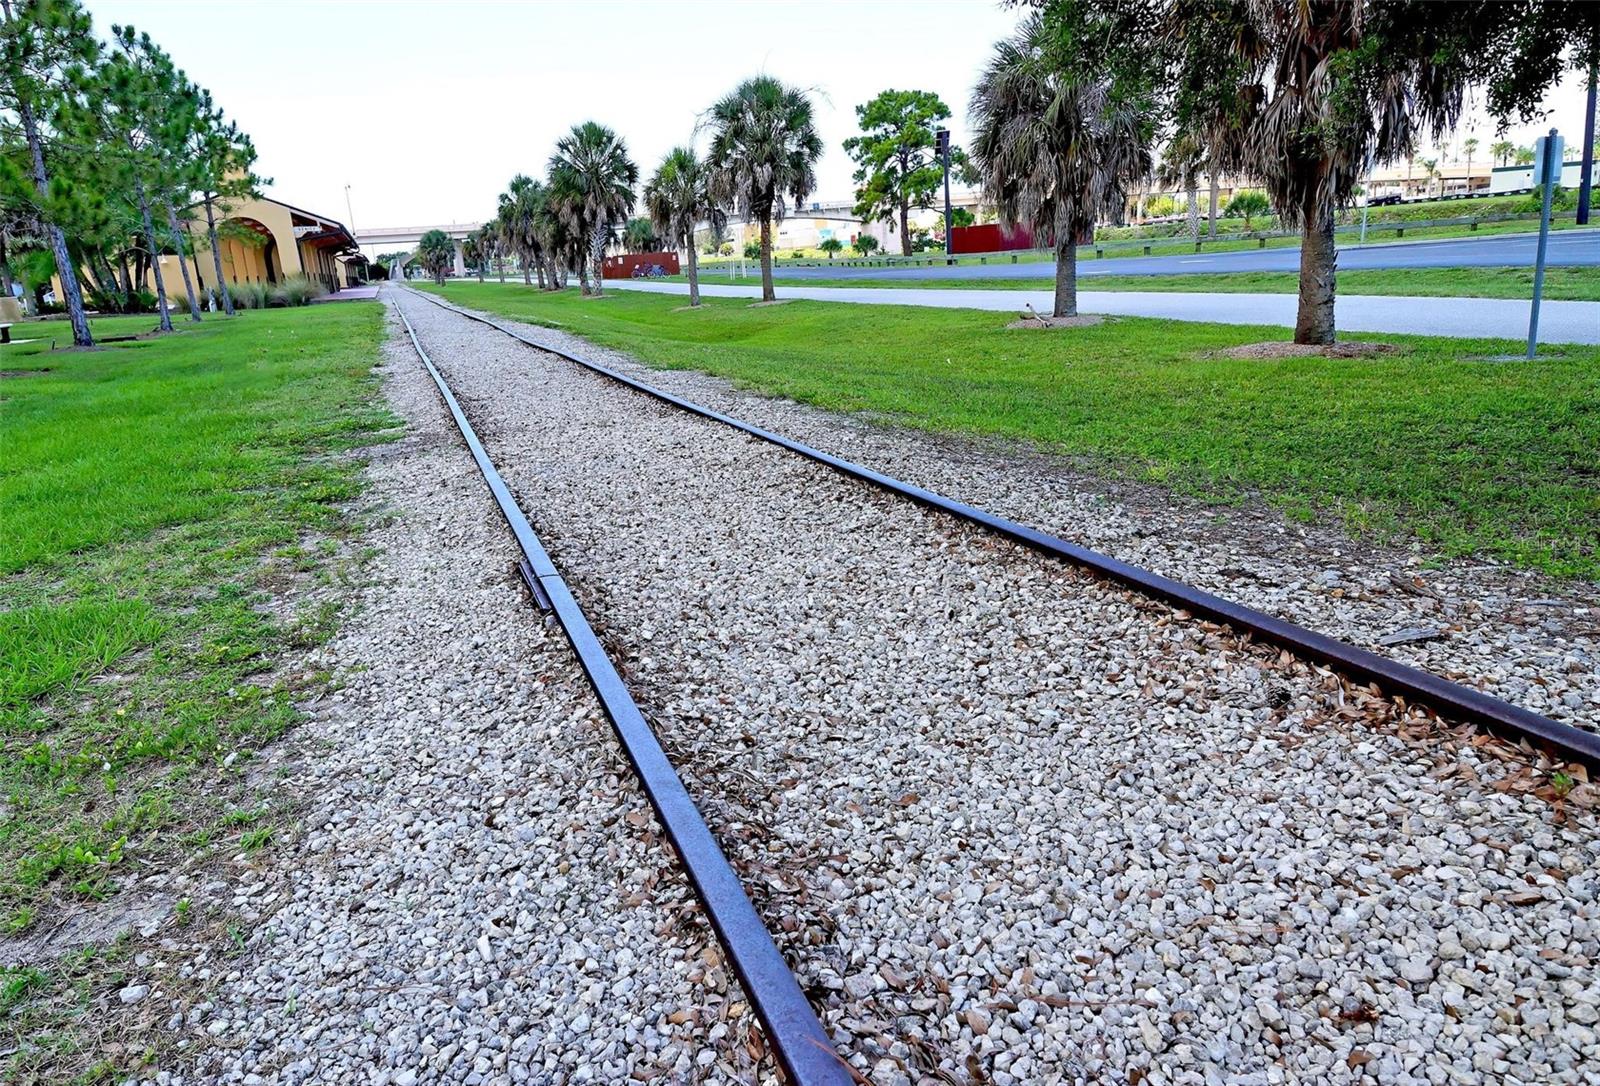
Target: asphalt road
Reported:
[(1567, 248), (1474, 318)]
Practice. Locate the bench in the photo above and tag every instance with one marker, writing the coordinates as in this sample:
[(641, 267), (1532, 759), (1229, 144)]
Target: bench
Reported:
[(10, 314)]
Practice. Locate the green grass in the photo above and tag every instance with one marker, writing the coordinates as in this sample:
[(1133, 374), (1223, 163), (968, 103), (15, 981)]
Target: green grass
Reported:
[(1565, 284), (1468, 456), (155, 496)]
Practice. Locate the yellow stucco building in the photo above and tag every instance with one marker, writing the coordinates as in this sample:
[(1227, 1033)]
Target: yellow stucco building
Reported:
[(261, 240), (287, 241)]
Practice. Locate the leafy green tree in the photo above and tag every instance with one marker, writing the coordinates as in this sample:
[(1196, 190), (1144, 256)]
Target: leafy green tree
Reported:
[(831, 246), (677, 197), (764, 148), (865, 244), (591, 162), (897, 162), (223, 160), (1248, 204), (44, 45), (1063, 115), (129, 96), (436, 252), (752, 250)]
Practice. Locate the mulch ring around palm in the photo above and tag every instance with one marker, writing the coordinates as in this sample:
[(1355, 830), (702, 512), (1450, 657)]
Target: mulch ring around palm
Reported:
[(1350, 348)]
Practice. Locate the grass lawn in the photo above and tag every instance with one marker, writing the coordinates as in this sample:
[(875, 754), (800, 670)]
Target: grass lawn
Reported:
[(152, 493), (1566, 284), (1469, 456)]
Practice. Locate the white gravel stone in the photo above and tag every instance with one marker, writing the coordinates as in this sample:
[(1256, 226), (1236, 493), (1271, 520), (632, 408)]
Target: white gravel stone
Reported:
[(982, 781), (481, 893)]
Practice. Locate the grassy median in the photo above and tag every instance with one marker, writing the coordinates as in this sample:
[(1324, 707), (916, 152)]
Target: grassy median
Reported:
[(158, 495), (1432, 442), (1560, 284)]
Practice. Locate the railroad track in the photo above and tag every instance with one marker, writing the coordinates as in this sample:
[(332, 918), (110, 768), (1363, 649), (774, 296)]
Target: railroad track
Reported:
[(797, 1038), (1449, 700)]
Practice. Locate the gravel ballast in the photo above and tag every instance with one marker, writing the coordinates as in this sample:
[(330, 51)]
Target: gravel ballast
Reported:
[(481, 894), (1014, 824), (1519, 635)]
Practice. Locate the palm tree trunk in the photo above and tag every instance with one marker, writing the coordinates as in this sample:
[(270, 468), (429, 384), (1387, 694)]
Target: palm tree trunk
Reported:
[(597, 249), (1066, 301), (538, 271), (1319, 259), (1191, 193), (155, 254), (500, 259), (583, 276), (767, 293), (1211, 226), (525, 258), (216, 257), (177, 240), (694, 275)]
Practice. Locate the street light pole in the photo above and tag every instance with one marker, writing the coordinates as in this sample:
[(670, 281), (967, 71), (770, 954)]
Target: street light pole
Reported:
[(943, 139), (1585, 182), (1548, 172)]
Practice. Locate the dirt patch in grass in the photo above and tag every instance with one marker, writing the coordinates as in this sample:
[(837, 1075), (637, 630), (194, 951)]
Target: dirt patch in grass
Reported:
[(1055, 324), (1352, 348), (775, 301), (24, 373)]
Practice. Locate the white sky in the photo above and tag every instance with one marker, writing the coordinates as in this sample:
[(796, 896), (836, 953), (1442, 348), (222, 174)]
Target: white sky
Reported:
[(426, 108)]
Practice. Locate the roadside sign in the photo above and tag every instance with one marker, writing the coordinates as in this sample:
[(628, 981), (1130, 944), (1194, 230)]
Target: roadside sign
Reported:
[(1555, 145), (1546, 175)]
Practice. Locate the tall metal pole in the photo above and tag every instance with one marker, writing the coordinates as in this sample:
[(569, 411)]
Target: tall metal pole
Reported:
[(1585, 182), (1549, 174), (944, 153)]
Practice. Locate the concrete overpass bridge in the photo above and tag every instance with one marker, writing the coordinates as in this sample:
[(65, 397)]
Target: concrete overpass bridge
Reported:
[(388, 239)]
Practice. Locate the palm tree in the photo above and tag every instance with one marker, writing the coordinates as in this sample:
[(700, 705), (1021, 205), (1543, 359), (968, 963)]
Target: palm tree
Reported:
[(1470, 146), (831, 246), (593, 160), (1057, 142), (1313, 94), (1181, 164), (1501, 151), (473, 252), (436, 252), (1523, 156), (639, 236), (865, 244), (514, 219), (678, 198), (764, 148), (1430, 170)]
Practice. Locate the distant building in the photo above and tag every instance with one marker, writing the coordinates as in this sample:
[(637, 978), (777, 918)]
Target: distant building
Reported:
[(263, 240), (1512, 178)]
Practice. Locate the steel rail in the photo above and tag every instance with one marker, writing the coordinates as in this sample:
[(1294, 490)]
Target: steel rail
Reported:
[(1449, 699), (792, 1029)]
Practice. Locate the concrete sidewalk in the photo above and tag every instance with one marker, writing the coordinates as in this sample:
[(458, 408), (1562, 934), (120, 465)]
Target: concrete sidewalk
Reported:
[(1471, 318)]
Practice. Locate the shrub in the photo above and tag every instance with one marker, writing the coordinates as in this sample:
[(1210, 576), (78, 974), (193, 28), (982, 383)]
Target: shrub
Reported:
[(250, 295), (1248, 204), (297, 290), (752, 250), (142, 302)]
